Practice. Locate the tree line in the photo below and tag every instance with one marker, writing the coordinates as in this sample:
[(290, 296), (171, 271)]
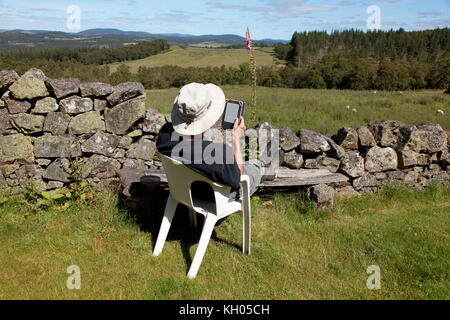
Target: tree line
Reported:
[(85, 56), (384, 60), (334, 72)]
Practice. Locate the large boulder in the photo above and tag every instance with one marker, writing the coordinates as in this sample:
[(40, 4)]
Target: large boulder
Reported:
[(7, 78), (100, 166), (125, 142), (95, 89), (386, 132), (16, 147), (328, 163), (367, 180), (86, 123), (144, 149), (76, 105), (101, 143), (381, 159), (60, 146), (336, 151), (322, 196), (365, 136), (292, 160), (347, 138), (5, 125), (347, 192), (352, 164), (61, 88), (153, 122), (30, 86), (27, 123), (409, 158), (100, 105), (322, 162), (45, 105), (427, 137), (121, 117), (55, 171), (125, 91), (288, 139), (15, 106), (312, 142), (56, 122)]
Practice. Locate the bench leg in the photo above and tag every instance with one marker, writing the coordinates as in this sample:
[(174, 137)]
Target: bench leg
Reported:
[(208, 228), (169, 212)]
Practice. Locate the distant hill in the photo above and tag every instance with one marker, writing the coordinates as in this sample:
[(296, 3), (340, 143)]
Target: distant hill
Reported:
[(113, 38)]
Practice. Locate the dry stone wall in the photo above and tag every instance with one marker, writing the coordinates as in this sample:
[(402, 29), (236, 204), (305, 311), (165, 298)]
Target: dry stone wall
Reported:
[(383, 152), (46, 123)]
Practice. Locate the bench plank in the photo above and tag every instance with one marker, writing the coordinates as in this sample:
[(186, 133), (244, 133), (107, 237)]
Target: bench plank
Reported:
[(306, 180)]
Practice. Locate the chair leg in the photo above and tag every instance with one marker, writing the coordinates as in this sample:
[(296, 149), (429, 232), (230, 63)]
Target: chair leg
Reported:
[(247, 230), (169, 212), (208, 228), (246, 222)]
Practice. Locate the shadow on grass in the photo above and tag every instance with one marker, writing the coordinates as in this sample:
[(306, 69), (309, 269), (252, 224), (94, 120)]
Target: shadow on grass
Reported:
[(148, 211)]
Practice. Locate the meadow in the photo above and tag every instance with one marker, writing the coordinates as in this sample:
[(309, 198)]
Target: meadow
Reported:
[(200, 57), (297, 253), (326, 110)]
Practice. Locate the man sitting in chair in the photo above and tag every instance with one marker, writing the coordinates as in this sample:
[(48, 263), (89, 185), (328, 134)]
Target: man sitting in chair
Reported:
[(196, 109)]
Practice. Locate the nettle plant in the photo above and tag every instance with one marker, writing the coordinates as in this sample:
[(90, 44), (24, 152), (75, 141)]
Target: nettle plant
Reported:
[(77, 190)]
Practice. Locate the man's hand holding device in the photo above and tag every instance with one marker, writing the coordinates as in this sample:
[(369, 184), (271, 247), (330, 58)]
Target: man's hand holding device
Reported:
[(234, 109), (233, 119)]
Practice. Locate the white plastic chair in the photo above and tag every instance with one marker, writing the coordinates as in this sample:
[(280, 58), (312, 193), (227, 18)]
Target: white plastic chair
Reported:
[(180, 179)]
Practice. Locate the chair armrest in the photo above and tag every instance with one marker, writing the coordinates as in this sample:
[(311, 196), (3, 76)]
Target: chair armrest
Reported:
[(245, 180), (245, 183), (245, 177)]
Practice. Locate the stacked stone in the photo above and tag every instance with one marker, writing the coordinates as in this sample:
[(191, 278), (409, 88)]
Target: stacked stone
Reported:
[(46, 123), (371, 156)]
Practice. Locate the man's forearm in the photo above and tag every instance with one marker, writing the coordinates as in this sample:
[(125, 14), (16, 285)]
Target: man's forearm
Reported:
[(237, 154)]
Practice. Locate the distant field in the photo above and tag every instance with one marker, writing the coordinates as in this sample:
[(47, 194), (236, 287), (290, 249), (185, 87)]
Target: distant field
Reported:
[(200, 57), (326, 110)]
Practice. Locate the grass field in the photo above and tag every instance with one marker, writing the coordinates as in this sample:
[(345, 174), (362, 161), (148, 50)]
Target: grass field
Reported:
[(200, 57), (325, 110), (296, 252)]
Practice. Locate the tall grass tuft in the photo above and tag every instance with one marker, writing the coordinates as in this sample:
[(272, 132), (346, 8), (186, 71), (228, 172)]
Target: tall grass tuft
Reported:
[(253, 70)]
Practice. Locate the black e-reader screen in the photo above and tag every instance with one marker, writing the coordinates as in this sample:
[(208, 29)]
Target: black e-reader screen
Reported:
[(232, 112)]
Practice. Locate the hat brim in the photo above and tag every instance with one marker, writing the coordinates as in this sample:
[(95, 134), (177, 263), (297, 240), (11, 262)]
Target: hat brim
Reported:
[(199, 126)]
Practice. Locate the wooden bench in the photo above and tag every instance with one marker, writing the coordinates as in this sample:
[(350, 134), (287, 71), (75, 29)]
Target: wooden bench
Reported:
[(133, 186)]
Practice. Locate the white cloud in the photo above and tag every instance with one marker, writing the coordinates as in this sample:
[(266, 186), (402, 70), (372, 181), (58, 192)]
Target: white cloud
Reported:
[(274, 10)]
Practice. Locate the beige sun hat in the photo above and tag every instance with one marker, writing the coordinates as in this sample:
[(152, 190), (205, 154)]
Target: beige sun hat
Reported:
[(197, 108)]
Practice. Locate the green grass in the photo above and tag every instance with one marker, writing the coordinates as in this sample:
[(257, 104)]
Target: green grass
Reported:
[(296, 253), (200, 57), (325, 110)]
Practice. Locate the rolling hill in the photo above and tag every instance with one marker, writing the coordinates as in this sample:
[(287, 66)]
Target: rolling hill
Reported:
[(200, 57), (113, 38)]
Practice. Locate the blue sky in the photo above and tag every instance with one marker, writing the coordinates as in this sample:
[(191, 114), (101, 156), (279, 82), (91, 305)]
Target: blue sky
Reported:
[(276, 19)]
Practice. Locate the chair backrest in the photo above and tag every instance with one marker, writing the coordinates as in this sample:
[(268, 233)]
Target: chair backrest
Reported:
[(180, 179)]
